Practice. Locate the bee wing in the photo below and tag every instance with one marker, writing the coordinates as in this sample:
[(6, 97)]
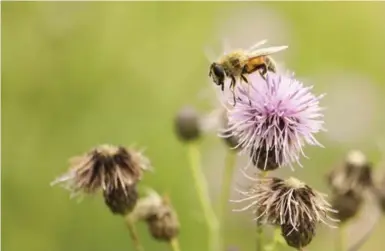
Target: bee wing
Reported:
[(209, 54), (226, 47), (267, 51), (260, 43)]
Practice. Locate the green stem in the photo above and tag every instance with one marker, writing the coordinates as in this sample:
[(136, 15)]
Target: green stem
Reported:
[(259, 238), (340, 240), (134, 236), (226, 184), (203, 195), (174, 243), (259, 231), (277, 239)]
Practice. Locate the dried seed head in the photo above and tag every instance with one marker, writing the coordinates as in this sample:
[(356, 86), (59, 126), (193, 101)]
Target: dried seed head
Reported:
[(286, 202), (379, 191), (347, 205), (164, 224), (265, 160), (161, 218), (105, 167), (299, 237), (121, 201), (146, 206), (356, 158), (354, 175), (381, 198), (187, 125)]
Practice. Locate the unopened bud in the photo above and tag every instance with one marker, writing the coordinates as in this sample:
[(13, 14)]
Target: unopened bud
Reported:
[(187, 125), (164, 224), (161, 218)]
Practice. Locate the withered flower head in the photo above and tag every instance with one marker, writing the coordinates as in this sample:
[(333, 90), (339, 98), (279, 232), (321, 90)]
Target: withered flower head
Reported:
[(105, 167), (187, 124), (354, 175), (161, 218), (347, 205), (289, 203), (379, 191)]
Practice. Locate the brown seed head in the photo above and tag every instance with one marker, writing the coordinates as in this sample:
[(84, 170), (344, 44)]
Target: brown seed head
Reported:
[(381, 197), (354, 175), (105, 167), (277, 201), (379, 191), (164, 224), (347, 205), (161, 218)]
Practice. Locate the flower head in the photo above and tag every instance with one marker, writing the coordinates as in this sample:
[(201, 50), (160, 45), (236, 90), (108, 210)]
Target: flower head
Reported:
[(289, 203), (347, 205), (106, 167), (298, 238), (187, 124), (160, 216), (353, 176), (274, 118), (121, 200), (379, 191)]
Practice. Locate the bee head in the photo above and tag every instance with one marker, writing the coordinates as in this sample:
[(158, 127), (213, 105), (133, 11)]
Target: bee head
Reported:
[(217, 72)]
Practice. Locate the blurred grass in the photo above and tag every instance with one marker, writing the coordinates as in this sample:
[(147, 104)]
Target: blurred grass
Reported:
[(75, 75)]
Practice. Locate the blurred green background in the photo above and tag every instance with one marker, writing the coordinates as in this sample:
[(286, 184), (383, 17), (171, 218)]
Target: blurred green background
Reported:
[(75, 75)]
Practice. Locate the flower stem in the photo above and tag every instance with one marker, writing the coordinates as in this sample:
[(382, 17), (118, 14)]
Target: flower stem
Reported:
[(174, 243), (226, 183), (259, 231), (134, 236), (203, 195), (340, 240), (277, 240), (264, 174)]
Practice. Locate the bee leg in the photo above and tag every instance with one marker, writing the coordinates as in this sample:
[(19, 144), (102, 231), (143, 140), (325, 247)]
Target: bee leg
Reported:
[(223, 86), (243, 77), (271, 64), (232, 87), (263, 71)]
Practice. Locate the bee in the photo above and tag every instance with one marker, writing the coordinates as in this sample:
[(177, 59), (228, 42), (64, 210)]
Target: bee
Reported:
[(240, 63)]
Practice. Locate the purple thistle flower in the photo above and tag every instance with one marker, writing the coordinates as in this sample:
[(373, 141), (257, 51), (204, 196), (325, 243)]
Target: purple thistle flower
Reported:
[(273, 119)]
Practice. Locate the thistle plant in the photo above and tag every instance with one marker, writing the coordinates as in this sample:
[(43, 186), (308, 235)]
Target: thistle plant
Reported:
[(114, 170), (273, 120), (270, 124)]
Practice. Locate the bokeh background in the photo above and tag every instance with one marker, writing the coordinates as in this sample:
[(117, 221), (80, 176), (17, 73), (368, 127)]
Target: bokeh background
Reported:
[(79, 74)]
